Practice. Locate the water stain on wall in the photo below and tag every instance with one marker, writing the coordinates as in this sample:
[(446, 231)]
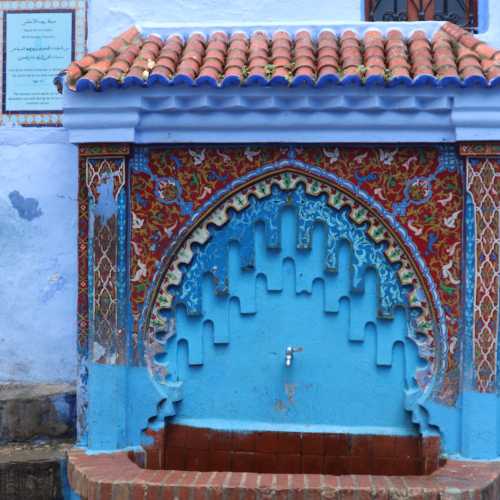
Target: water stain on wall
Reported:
[(27, 208)]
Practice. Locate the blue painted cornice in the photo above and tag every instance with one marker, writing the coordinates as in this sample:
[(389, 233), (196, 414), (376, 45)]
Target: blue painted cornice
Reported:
[(303, 115)]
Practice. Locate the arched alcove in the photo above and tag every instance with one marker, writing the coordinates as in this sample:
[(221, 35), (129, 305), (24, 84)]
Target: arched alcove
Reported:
[(285, 262), (352, 369)]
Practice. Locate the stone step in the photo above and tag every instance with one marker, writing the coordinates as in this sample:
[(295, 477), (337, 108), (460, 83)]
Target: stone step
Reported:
[(33, 472), (36, 412)]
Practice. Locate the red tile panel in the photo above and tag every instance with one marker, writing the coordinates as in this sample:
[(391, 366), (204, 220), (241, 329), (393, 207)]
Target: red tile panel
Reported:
[(444, 56), (202, 449), (420, 53), (363, 56), (215, 56), (237, 57), (396, 53), (169, 57)]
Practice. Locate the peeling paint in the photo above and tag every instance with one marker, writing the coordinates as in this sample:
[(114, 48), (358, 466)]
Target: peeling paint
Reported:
[(27, 208), (106, 204), (99, 351), (279, 405), (56, 282), (290, 390), (82, 400)]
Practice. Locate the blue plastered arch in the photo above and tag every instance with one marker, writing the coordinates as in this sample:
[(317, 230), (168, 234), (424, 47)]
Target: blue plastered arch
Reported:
[(363, 212)]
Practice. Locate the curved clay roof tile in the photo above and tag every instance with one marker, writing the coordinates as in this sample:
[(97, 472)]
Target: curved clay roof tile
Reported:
[(223, 58)]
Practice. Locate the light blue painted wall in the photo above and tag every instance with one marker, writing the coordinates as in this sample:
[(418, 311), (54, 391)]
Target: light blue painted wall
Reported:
[(38, 273), (107, 18), (353, 369), (489, 21)]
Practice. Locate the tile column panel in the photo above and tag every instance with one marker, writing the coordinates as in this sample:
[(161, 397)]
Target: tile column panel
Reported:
[(483, 188), (103, 257)]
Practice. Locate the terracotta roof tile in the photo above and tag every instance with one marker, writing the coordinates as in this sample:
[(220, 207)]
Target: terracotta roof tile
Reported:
[(452, 56)]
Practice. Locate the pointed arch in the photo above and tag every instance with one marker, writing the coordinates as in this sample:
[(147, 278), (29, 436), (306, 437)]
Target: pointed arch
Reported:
[(429, 332)]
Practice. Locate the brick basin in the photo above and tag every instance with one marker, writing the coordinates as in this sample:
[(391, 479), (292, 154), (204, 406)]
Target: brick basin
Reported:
[(115, 477), (183, 447)]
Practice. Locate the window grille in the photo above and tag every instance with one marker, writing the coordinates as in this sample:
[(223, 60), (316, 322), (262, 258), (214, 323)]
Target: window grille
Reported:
[(461, 12)]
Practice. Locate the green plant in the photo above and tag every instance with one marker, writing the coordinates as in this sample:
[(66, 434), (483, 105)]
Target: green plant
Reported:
[(362, 70), (269, 70)]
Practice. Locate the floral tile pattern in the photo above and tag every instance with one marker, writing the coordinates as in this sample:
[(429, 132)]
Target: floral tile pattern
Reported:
[(419, 188)]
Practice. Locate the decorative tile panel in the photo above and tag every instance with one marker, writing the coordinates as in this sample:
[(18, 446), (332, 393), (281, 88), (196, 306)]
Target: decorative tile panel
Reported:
[(372, 246), (480, 149), (483, 184), (105, 180), (104, 150), (416, 188), (83, 252)]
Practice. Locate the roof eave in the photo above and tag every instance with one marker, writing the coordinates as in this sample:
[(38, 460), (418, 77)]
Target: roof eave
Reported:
[(267, 114)]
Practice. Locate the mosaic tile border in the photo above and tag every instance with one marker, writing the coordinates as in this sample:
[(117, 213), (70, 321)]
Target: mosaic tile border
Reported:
[(483, 185), (478, 149), (105, 180)]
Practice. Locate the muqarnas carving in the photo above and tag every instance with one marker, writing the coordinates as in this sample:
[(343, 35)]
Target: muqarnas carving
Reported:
[(419, 189)]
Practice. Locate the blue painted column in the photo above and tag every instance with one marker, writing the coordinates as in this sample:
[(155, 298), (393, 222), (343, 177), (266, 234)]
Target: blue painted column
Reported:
[(106, 355), (480, 407)]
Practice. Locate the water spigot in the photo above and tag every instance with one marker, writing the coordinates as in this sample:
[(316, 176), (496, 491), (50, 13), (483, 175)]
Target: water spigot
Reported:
[(289, 355)]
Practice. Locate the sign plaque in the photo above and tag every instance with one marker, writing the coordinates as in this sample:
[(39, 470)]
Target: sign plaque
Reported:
[(37, 44)]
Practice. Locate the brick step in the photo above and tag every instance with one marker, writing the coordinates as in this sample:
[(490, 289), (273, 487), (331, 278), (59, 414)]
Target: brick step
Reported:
[(33, 472), (114, 477)]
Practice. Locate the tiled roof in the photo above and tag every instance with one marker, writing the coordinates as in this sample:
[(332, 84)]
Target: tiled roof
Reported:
[(452, 56)]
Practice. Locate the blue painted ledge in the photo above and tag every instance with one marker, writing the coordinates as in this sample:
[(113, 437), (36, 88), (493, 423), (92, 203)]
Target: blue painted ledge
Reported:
[(275, 114)]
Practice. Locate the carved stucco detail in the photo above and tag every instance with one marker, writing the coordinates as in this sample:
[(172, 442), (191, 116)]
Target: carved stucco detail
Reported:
[(159, 328)]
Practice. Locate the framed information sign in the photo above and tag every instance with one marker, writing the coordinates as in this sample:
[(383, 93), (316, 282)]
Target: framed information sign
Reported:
[(39, 40)]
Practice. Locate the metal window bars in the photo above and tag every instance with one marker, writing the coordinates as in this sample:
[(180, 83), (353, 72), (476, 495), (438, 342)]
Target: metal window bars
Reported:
[(461, 12)]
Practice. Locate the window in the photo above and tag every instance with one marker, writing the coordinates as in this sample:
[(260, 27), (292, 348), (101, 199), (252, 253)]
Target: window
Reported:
[(461, 12)]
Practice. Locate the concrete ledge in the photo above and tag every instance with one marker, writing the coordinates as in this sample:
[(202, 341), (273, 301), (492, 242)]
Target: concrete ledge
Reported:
[(32, 472), (115, 476), (36, 412)]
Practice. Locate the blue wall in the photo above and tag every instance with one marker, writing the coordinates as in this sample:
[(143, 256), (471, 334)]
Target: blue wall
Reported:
[(352, 373), (111, 16), (107, 18), (38, 216)]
